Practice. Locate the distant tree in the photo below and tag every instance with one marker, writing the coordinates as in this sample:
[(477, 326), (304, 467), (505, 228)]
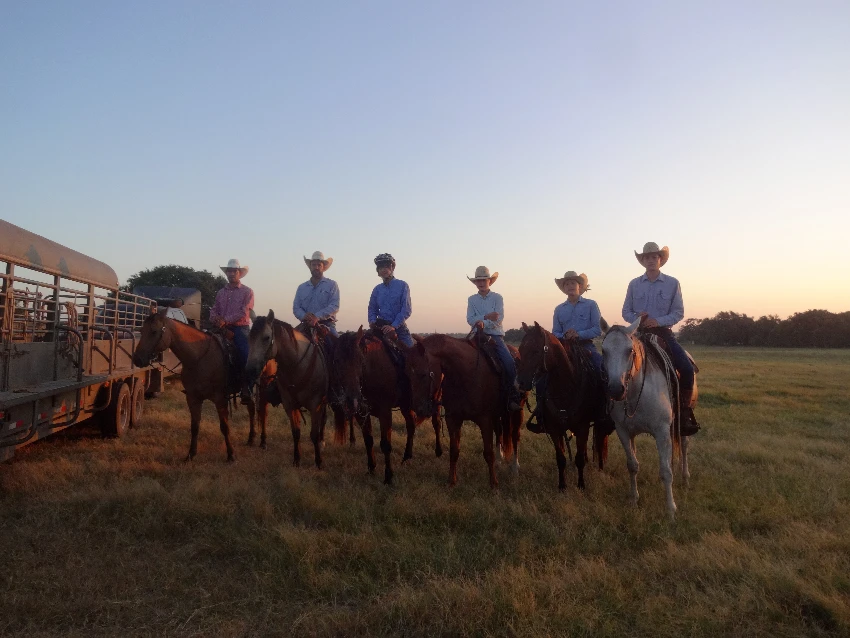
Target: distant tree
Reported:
[(181, 277), (514, 335)]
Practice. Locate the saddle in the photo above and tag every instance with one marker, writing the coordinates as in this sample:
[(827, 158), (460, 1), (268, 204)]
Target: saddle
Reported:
[(224, 338), (394, 351)]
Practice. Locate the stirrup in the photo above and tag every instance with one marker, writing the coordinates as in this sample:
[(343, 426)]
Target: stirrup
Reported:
[(688, 423), (533, 425)]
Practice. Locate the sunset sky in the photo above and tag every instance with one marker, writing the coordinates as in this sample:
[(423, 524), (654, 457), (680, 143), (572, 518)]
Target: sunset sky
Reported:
[(532, 138)]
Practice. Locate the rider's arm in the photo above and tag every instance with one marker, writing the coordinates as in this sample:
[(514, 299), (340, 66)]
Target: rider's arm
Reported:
[(557, 326), (473, 315), (333, 303), (372, 311), (595, 329), (629, 313), (298, 303), (677, 304), (406, 306)]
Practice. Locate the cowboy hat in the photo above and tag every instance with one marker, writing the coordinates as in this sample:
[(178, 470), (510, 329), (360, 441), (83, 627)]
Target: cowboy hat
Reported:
[(651, 247), (571, 275), (234, 263), (319, 256), (482, 272)]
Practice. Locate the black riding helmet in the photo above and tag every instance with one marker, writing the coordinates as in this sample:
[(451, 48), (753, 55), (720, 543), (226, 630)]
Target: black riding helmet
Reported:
[(384, 259)]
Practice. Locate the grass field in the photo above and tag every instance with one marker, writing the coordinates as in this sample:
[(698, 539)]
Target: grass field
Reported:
[(121, 537)]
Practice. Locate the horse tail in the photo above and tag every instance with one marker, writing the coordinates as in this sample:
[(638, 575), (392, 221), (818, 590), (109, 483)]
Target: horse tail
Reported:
[(600, 445), (340, 423)]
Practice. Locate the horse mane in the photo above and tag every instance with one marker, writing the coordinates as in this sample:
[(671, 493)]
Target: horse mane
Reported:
[(260, 324)]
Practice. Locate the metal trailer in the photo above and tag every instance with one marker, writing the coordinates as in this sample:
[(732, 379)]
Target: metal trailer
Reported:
[(68, 335)]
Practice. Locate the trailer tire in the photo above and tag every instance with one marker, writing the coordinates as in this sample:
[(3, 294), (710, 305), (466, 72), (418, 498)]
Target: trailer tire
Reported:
[(137, 406), (116, 418)]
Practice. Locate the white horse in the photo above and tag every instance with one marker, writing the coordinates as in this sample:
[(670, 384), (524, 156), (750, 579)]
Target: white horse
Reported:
[(642, 385)]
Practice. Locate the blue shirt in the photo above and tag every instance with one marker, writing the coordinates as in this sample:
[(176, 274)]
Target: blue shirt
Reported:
[(322, 300), (478, 306), (583, 317), (660, 299), (390, 302)]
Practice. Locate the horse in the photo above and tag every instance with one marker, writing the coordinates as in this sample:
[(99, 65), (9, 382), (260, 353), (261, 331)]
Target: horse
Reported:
[(471, 390), (204, 371), (302, 378), (367, 384), (642, 385), (570, 402)]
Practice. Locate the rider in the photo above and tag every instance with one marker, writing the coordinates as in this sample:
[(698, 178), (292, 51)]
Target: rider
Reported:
[(317, 300), (231, 310), (485, 311), (389, 305), (577, 320), (658, 299)]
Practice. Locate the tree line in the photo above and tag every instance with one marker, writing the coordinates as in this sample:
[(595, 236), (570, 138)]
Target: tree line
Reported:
[(809, 329)]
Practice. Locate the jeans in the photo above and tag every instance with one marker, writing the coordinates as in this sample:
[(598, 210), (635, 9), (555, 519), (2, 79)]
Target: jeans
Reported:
[(680, 361), (331, 326), (509, 374), (404, 336), (240, 340)]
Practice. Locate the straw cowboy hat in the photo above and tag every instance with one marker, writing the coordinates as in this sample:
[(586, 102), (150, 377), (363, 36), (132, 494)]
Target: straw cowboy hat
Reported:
[(482, 272), (234, 263), (651, 247), (571, 275), (319, 256)]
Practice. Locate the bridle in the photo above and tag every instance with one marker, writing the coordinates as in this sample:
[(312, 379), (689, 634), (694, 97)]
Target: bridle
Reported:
[(635, 343)]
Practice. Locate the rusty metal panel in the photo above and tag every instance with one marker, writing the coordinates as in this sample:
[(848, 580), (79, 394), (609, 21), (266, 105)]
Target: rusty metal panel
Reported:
[(34, 251)]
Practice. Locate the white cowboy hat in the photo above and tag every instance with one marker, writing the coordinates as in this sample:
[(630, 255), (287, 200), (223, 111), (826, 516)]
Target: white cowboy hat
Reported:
[(651, 247), (572, 275), (319, 256), (482, 272), (234, 263)]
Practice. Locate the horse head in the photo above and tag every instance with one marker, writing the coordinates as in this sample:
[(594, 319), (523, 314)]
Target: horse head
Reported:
[(155, 338), (533, 350), (261, 345), (424, 375), (348, 360), (619, 358)]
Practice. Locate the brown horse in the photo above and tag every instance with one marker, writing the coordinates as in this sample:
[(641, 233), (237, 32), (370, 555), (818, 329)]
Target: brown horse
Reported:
[(570, 401), (302, 378), (367, 384), (204, 372), (471, 390)]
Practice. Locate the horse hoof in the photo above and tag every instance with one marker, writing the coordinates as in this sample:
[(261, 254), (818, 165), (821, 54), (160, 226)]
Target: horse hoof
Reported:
[(562, 488), (189, 458), (263, 445), (231, 459), (515, 468), (438, 452)]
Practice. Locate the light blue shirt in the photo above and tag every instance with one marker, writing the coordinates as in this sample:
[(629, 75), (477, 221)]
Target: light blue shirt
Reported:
[(478, 306), (322, 300), (390, 302), (583, 317), (660, 300)]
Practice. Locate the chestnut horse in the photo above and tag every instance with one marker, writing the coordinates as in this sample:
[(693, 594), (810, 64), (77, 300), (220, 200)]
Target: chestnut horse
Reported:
[(572, 397), (367, 385), (302, 378), (471, 390), (204, 371)]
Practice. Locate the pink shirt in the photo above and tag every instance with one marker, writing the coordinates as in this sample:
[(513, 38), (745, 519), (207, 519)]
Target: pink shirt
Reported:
[(232, 305)]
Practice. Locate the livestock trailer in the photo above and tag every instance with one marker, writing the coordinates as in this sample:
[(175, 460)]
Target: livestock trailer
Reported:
[(68, 335)]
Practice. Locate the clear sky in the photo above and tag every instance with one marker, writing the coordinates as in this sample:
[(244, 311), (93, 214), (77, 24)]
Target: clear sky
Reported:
[(531, 137)]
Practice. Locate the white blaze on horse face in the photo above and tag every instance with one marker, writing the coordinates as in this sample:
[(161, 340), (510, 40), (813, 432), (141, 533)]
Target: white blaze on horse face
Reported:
[(617, 360)]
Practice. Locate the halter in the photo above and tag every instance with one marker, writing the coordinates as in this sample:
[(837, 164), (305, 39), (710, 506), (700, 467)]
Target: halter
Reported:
[(629, 376)]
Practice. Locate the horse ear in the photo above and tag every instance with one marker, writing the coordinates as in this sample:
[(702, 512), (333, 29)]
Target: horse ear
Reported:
[(603, 325), (634, 325), (525, 326), (360, 333), (270, 316), (536, 325)]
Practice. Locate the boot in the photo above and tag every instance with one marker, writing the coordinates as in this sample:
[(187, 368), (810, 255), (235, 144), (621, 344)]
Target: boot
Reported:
[(514, 399), (245, 394), (535, 423), (687, 420)]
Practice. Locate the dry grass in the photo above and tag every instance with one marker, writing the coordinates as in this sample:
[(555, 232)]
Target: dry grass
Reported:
[(121, 537)]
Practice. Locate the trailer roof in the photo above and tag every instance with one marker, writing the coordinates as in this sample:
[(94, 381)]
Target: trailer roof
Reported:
[(20, 246)]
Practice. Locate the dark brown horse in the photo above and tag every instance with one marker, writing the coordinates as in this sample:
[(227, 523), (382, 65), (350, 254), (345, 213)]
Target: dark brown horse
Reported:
[(204, 370), (368, 385), (471, 390), (302, 378), (570, 401)]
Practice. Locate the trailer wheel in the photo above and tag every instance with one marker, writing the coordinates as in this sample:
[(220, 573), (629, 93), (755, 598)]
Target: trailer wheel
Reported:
[(116, 418), (137, 409)]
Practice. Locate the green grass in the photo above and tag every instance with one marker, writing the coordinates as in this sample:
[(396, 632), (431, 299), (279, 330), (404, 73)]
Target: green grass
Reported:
[(107, 537)]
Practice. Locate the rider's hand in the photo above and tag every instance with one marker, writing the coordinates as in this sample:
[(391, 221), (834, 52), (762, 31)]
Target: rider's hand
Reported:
[(310, 319), (570, 334), (650, 323), (218, 322), (492, 316), (479, 325), (387, 329)]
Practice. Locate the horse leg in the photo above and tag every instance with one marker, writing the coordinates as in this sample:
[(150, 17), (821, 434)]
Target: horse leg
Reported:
[(454, 424), (489, 451), (225, 429), (194, 404), (368, 442), (581, 452), (252, 413), (683, 450), (351, 439), (411, 430), (385, 418), (295, 425), (262, 418), (435, 422), (561, 460), (516, 429), (628, 443), (664, 445), (317, 430)]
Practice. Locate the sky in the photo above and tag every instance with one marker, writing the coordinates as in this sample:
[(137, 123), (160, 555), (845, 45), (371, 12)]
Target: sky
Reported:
[(533, 138)]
